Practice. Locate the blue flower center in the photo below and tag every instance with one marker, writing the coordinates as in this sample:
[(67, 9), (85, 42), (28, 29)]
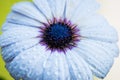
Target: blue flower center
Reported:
[(59, 36), (59, 32)]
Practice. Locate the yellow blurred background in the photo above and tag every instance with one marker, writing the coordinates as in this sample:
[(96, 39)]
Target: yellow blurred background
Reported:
[(109, 8)]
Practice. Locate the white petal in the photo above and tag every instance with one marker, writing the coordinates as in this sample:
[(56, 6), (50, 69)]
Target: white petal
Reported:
[(102, 33), (91, 20), (80, 8), (18, 34), (71, 6), (44, 8), (11, 51), (79, 69), (17, 18), (99, 59), (111, 49), (8, 26), (57, 7), (28, 65), (63, 68), (28, 9), (54, 69), (85, 8)]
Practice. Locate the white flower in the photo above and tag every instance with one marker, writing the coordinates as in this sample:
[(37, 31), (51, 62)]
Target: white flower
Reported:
[(58, 40)]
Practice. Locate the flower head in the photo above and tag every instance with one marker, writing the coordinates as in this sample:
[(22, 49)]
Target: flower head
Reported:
[(58, 40)]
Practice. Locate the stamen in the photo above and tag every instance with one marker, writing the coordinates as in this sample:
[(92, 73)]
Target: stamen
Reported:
[(59, 35)]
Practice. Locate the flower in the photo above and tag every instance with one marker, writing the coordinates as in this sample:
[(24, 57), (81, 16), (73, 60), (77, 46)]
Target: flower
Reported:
[(58, 40)]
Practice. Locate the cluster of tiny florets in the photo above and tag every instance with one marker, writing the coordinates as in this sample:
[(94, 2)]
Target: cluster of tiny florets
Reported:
[(59, 35)]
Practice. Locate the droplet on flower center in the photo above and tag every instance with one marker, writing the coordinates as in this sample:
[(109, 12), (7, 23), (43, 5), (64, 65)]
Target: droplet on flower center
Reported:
[(59, 35)]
